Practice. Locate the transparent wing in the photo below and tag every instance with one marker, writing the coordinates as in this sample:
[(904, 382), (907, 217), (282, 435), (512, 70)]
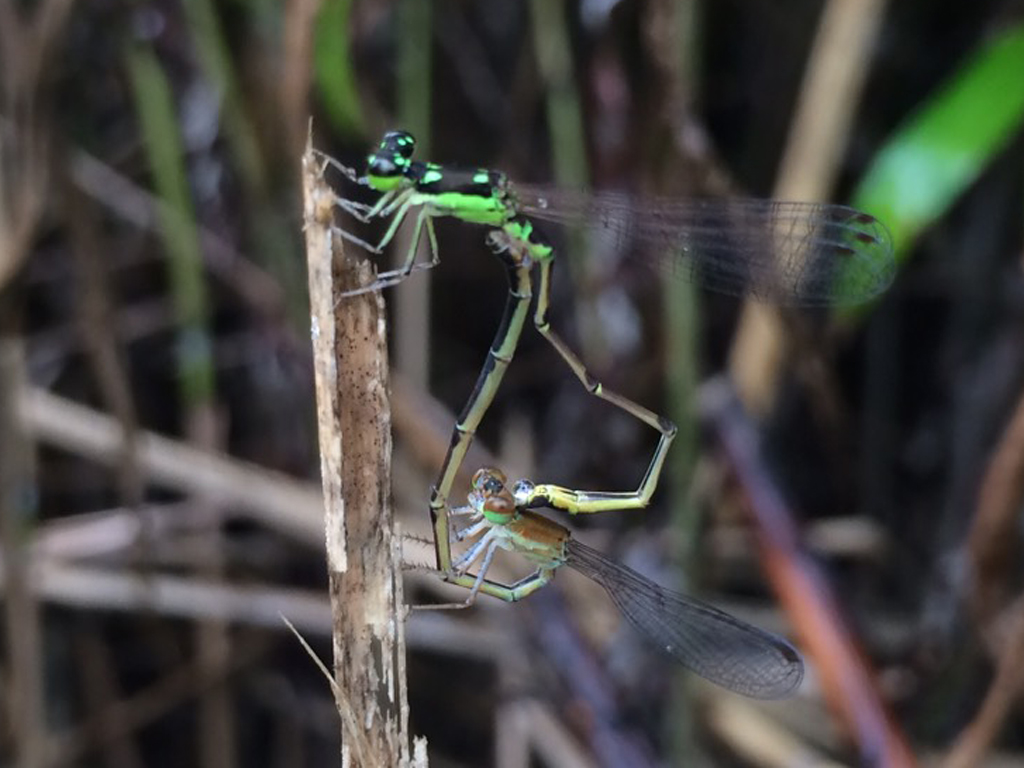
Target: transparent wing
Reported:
[(806, 254), (705, 640)]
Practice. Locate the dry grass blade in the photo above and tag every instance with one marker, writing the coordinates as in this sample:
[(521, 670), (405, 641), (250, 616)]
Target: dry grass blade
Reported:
[(362, 747), (831, 91)]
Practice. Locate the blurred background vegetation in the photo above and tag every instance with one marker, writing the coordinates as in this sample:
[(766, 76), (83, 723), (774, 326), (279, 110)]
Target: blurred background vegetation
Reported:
[(152, 278)]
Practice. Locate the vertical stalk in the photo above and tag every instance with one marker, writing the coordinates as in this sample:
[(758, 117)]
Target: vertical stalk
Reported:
[(412, 299), (673, 32), (269, 237), (553, 49), (833, 81), (22, 631), (155, 107), (354, 421)]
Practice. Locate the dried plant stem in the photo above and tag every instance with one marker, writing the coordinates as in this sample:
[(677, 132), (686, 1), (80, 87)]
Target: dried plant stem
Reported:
[(847, 681), (22, 639), (831, 90), (976, 740), (273, 499), (992, 542), (992, 550), (354, 419)]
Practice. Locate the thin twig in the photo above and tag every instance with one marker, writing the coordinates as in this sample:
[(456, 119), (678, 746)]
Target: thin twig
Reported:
[(363, 748), (278, 501), (993, 542), (992, 547)]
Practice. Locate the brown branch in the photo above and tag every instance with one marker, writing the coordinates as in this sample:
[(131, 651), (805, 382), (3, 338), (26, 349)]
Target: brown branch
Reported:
[(280, 502), (975, 740), (846, 677), (993, 545), (354, 420), (993, 541)]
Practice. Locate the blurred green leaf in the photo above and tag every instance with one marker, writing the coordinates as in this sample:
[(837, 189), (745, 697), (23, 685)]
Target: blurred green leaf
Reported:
[(219, 69), (332, 64), (154, 106), (941, 149), (416, 31), (268, 231)]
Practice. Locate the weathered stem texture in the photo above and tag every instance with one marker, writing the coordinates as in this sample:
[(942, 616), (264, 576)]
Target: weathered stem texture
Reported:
[(354, 416)]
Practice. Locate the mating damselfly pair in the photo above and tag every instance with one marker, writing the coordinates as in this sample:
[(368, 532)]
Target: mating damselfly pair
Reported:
[(802, 254)]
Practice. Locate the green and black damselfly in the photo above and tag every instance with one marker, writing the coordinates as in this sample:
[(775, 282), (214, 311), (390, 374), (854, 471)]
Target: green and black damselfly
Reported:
[(803, 254), (705, 640)]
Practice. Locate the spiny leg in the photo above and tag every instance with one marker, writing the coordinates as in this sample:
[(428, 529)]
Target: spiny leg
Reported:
[(471, 555), (362, 211), (349, 173), (594, 501), (468, 533), (480, 579), (510, 593), (478, 583), (398, 210), (485, 546), (362, 214), (385, 205), (395, 276), (394, 204), (517, 306)]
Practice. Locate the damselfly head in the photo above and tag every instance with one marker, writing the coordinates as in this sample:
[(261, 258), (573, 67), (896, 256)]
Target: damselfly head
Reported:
[(386, 167), (490, 497), (522, 491), (489, 481), (400, 143), (498, 241)]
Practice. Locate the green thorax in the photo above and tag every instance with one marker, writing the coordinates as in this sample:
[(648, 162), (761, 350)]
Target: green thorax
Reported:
[(477, 196)]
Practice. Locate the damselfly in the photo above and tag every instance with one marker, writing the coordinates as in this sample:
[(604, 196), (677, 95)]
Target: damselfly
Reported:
[(705, 640), (804, 254)]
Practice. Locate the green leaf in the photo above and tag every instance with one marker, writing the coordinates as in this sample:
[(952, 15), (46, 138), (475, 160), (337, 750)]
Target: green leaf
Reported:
[(941, 149), (332, 62), (158, 120)]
